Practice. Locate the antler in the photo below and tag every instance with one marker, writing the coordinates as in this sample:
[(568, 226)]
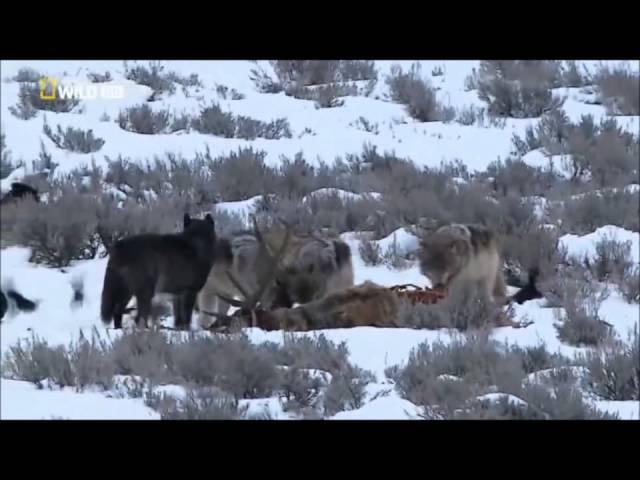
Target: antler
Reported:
[(265, 277)]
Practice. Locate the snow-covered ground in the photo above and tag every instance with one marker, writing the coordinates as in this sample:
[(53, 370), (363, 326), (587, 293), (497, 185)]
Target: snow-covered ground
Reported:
[(334, 136)]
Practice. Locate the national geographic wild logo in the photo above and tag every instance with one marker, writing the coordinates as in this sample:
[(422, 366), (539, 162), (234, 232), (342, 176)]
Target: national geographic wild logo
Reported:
[(52, 89)]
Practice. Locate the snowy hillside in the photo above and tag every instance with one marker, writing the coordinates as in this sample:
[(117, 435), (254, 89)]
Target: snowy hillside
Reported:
[(363, 133)]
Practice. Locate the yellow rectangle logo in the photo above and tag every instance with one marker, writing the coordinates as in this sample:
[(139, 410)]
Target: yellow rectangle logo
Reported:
[(48, 88)]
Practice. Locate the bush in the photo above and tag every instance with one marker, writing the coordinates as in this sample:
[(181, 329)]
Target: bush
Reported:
[(6, 164), (214, 121), (74, 139), (224, 93), (442, 377), (27, 75), (470, 115), (518, 88), (152, 77), (55, 236), (533, 246), (232, 364), (585, 214), (250, 129), (114, 222), (614, 371), (203, 403), (613, 261), (415, 93), (551, 133), (563, 402), (81, 364), (516, 176), (312, 374), (534, 359), (99, 77), (346, 388), (35, 361), (630, 286), (618, 89), (370, 252), (319, 72), (610, 159), (571, 76), (192, 80), (450, 381), (142, 119), (581, 298), (241, 174)]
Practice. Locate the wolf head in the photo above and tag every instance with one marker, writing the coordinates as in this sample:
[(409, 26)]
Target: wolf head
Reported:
[(200, 232), (295, 284), (443, 254), (320, 267)]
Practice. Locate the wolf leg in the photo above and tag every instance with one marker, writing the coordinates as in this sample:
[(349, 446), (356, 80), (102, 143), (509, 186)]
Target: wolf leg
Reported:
[(143, 301), (207, 302), (187, 301), (178, 308), (499, 290), (119, 310)]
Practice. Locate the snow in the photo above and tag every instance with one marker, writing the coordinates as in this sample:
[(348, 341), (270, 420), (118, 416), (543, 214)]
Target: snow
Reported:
[(585, 245), (389, 407), (336, 134), (404, 241), (23, 401), (241, 207)]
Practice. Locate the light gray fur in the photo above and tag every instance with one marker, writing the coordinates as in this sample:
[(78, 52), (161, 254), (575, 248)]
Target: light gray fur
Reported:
[(331, 264), (459, 253)]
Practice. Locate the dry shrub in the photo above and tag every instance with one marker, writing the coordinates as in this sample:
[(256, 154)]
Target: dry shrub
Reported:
[(613, 371), (518, 88), (581, 297), (416, 93), (618, 89), (142, 119), (55, 236)]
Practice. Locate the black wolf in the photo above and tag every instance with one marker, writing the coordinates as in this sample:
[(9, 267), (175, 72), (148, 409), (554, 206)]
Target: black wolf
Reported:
[(148, 264)]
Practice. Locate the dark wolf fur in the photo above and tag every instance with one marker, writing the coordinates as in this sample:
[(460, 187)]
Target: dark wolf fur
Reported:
[(19, 191), (148, 264), (530, 290), (14, 298)]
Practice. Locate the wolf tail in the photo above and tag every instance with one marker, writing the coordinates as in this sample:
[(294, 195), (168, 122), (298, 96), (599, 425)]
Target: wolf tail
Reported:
[(113, 291), (343, 253)]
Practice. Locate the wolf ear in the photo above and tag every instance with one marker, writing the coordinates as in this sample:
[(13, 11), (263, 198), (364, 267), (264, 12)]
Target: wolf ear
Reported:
[(186, 220), (209, 219)]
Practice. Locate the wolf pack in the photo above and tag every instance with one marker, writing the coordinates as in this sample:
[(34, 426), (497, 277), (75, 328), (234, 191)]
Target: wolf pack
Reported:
[(281, 279), (278, 278)]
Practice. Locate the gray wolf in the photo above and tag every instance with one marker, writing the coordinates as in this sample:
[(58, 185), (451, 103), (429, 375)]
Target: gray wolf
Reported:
[(458, 253), (309, 268), (148, 264)]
